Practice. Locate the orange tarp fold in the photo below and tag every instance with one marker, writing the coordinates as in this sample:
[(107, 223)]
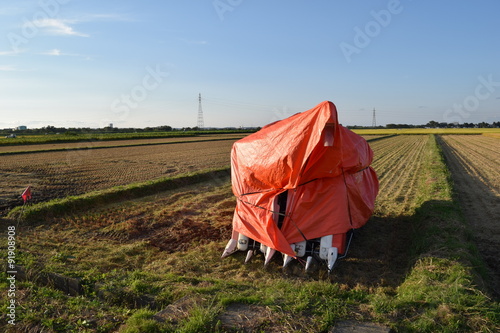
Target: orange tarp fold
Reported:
[(325, 168)]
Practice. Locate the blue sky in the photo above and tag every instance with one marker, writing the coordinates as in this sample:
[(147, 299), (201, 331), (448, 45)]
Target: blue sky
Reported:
[(88, 63)]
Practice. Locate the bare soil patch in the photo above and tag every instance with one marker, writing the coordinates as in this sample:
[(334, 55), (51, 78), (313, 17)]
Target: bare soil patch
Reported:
[(351, 326), (248, 318)]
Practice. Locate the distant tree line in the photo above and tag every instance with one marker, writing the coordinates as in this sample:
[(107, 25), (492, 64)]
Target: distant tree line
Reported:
[(84, 130), (435, 124), (110, 129), (165, 128)]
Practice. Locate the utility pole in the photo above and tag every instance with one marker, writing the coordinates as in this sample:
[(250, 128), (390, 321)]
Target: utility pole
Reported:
[(200, 114), (374, 120)]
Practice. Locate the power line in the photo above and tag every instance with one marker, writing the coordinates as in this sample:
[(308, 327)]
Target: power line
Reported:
[(374, 120)]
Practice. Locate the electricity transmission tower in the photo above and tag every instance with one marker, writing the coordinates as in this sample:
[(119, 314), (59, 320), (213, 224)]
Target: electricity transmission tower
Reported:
[(374, 120), (200, 114)]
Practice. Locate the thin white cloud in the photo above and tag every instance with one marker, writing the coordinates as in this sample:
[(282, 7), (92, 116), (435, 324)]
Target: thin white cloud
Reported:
[(194, 42), (107, 17), (8, 68), (58, 27), (53, 52), (57, 53), (9, 53)]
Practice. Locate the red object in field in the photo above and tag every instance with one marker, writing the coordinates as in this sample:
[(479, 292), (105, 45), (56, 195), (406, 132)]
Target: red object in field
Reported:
[(325, 168), (26, 194)]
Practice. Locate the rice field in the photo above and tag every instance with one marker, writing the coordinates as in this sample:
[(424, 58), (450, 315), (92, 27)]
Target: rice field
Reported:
[(57, 174), (474, 163)]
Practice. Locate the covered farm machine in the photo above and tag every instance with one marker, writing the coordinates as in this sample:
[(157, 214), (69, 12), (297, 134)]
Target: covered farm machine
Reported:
[(301, 185)]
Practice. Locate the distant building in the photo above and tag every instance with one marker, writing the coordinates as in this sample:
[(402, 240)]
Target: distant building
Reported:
[(21, 128)]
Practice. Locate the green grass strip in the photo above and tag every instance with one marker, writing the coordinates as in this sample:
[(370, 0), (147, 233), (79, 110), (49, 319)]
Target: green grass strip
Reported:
[(442, 230)]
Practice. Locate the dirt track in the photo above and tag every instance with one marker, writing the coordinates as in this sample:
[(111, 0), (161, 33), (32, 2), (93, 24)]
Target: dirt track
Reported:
[(474, 164)]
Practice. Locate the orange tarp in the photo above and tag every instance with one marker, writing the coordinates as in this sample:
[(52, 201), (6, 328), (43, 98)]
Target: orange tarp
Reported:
[(324, 166)]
